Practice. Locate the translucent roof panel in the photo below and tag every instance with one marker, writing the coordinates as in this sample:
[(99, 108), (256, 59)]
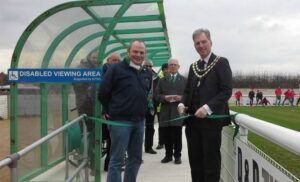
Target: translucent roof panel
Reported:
[(105, 11), (65, 47), (84, 51), (40, 39), (142, 10), (146, 24), (57, 37), (142, 35)]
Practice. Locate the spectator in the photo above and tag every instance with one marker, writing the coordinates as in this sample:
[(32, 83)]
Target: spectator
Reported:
[(286, 96), (113, 58), (265, 102), (85, 104), (292, 97), (149, 129), (259, 96), (238, 94), (278, 93), (251, 95)]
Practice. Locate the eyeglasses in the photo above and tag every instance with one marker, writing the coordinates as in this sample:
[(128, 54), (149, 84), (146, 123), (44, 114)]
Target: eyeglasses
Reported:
[(148, 66)]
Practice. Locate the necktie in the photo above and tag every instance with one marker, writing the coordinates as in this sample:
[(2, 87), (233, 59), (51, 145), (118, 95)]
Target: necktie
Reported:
[(202, 64), (172, 78)]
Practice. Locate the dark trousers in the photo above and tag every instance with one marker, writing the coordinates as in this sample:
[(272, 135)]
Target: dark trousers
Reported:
[(149, 131), (204, 152), (251, 101), (160, 134), (173, 140)]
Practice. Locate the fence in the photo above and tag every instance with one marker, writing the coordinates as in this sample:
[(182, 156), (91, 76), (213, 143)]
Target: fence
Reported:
[(242, 161), (12, 160)]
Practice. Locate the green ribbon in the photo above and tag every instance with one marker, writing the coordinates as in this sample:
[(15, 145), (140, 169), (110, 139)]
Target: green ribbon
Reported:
[(212, 116), (114, 123)]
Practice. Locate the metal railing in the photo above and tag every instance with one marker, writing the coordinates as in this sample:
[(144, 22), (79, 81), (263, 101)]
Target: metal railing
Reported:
[(284, 137), (12, 160)]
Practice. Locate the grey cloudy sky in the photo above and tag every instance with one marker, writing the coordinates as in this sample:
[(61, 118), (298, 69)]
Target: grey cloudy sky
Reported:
[(256, 36)]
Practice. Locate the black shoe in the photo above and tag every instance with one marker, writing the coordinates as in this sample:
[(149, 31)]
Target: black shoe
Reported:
[(151, 151), (159, 146), (166, 160), (177, 160)]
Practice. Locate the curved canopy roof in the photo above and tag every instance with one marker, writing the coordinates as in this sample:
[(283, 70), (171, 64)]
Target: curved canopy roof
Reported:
[(63, 35)]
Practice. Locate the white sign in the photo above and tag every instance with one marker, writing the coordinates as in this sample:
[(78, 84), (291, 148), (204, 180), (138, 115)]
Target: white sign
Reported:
[(252, 167)]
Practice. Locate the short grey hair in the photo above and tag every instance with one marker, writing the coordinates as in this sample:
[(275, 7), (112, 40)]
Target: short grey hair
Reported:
[(202, 30), (147, 61), (173, 59)]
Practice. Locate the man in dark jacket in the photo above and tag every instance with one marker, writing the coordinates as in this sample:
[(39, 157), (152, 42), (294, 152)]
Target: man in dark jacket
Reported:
[(124, 92), (169, 92), (112, 59), (149, 129), (85, 103), (207, 92)]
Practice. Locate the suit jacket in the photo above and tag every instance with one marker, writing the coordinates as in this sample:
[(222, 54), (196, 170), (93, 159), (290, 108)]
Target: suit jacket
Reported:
[(169, 110), (215, 90)]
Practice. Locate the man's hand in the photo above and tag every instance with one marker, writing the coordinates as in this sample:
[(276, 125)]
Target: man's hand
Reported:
[(177, 98), (181, 110), (168, 98), (201, 113)]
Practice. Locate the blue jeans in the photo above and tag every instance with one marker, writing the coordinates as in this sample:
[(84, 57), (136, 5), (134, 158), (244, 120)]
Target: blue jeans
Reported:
[(125, 139)]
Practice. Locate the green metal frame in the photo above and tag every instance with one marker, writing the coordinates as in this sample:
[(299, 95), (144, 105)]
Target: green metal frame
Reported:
[(108, 25)]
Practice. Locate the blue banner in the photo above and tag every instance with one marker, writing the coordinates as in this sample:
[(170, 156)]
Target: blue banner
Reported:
[(54, 75)]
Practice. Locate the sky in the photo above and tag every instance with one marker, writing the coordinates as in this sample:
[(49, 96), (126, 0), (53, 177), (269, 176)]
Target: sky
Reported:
[(256, 36)]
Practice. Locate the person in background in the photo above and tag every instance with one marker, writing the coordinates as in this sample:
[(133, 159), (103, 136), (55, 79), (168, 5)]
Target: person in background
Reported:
[(265, 102), (149, 129), (259, 96), (169, 92), (278, 93), (286, 96), (208, 89), (238, 94), (85, 104), (123, 93), (292, 97), (164, 72), (112, 59), (251, 95)]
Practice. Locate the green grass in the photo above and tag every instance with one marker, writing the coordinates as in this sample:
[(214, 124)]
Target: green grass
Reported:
[(288, 117)]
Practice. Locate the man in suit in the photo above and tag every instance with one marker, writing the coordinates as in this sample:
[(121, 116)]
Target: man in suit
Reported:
[(169, 92), (208, 89)]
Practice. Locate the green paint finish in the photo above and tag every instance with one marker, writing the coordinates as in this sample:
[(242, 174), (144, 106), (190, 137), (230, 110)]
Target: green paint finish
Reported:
[(60, 37), (79, 46), (44, 123)]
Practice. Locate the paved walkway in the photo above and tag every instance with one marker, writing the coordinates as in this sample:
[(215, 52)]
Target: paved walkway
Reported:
[(152, 170)]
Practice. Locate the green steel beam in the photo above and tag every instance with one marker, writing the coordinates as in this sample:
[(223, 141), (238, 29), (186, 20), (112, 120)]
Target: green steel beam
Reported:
[(101, 51), (44, 123), (128, 19), (121, 47), (79, 46), (163, 19), (137, 31), (60, 37)]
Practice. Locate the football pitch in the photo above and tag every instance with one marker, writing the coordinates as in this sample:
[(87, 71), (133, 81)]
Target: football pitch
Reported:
[(288, 117)]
